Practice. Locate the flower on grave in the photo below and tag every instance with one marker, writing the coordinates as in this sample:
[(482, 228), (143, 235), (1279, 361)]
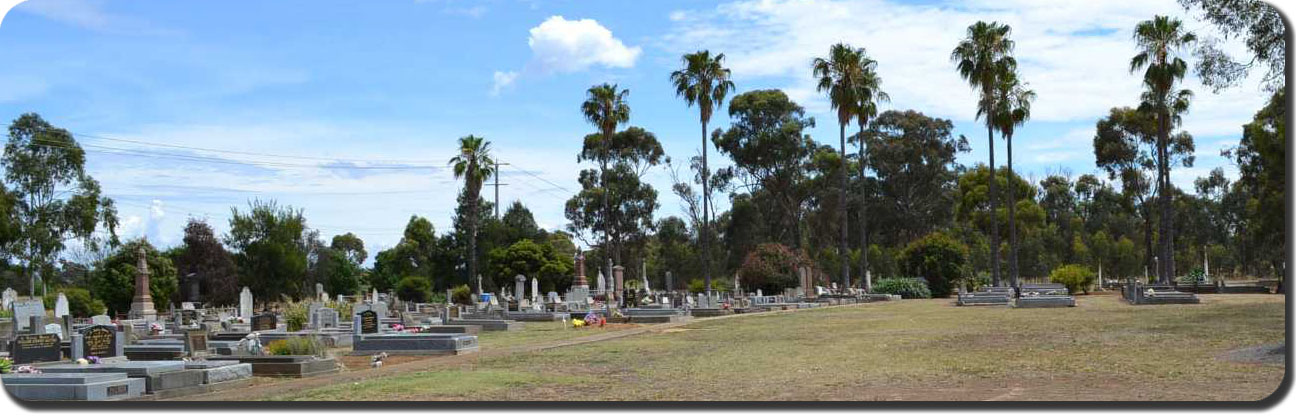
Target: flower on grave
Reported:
[(398, 327), (157, 327), (27, 369), (92, 359)]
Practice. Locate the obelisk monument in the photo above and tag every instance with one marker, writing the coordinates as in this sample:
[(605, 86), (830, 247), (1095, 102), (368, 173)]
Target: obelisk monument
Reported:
[(142, 304)]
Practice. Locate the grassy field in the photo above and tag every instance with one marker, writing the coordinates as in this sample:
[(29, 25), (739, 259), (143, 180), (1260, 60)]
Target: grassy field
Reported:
[(907, 350)]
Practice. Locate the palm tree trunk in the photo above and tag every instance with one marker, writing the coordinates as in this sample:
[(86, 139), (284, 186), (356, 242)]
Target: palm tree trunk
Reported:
[(472, 230), (1012, 219), (1167, 245), (994, 212), (705, 234), (863, 221), (841, 213)]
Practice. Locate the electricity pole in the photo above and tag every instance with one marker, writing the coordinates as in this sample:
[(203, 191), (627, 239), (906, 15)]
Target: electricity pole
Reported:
[(497, 185)]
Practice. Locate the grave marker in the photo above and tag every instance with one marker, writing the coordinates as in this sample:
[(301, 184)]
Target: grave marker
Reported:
[(30, 348), (99, 341), (264, 322), (61, 306), (369, 322), (196, 343), (24, 310)]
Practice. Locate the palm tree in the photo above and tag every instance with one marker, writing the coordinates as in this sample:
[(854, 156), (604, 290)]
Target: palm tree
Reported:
[(605, 107), (1014, 103), (473, 165), (703, 81), (870, 94), (842, 76), (1159, 41), (981, 56)]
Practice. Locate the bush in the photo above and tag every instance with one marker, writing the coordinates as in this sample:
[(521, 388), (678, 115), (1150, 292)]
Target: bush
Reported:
[(938, 258), (295, 346), (414, 289), (80, 303), (907, 288), (697, 285), (295, 315), (770, 267), (1075, 277), (461, 295)]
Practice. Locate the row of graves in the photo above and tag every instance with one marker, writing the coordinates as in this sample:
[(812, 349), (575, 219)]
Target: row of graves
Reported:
[(1024, 295)]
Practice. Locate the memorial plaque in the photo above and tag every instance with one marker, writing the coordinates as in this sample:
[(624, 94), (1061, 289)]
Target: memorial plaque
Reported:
[(196, 343), (116, 390), (99, 341), (28, 348), (369, 322), (264, 322)]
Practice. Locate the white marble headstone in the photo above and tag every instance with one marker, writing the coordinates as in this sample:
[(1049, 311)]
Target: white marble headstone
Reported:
[(101, 319), (245, 304), (9, 296), (54, 328), (61, 306)]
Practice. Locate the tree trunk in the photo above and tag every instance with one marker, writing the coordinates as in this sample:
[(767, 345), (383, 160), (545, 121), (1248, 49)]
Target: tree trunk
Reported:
[(843, 250), (1012, 219), (472, 228), (705, 234), (994, 211), (863, 220)]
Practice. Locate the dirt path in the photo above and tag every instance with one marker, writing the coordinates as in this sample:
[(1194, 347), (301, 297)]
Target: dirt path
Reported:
[(270, 387)]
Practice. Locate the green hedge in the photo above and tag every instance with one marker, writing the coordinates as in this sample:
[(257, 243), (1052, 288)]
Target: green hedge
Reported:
[(904, 287)]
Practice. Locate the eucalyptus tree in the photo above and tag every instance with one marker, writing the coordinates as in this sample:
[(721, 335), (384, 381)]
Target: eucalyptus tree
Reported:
[(1159, 41), (473, 165), (1013, 107), (981, 56), (53, 198), (605, 107), (842, 76), (703, 81)]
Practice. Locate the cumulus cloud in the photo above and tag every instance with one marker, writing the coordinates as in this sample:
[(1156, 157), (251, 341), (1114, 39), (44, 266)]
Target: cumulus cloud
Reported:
[(559, 45)]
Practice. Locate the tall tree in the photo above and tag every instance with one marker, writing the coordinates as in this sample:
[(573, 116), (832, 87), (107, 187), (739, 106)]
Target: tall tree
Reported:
[(1159, 42), (1264, 33), (270, 244), (1261, 158), (1124, 144), (350, 246), (843, 76), (913, 156), (1013, 104), (870, 94), (206, 266), (982, 56), (703, 81), (605, 107), (473, 166), (55, 199)]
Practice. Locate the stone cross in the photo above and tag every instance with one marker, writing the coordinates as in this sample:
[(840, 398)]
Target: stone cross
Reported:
[(142, 304)]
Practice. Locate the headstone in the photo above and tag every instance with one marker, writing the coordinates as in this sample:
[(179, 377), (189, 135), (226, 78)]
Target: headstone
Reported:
[(61, 306), (374, 298), (535, 290), (602, 283), (519, 290), (99, 341), (196, 343), (618, 277), (759, 293), (188, 317), (553, 296), (326, 318), (29, 348), (9, 297), (319, 292), (54, 329), (24, 310), (101, 319), (142, 303), (368, 322), (245, 303), (670, 282), (187, 305), (264, 322)]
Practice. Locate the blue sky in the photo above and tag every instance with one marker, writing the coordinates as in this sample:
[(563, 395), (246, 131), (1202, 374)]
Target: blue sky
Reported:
[(323, 97)]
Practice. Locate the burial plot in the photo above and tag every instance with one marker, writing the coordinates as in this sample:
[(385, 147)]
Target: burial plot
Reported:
[(73, 386), (987, 296), (31, 348), (1043, 295)]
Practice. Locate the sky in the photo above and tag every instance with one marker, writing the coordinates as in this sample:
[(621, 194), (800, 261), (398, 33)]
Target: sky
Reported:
[(350, 110)]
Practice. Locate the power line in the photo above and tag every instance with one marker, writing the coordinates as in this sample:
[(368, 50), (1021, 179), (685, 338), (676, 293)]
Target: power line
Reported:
[(168, 145)]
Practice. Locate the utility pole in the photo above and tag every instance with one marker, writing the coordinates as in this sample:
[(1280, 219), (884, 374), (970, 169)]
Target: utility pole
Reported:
[(497, 185)]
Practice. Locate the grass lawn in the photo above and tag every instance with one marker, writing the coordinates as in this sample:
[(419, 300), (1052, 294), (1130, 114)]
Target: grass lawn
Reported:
[(907, 350)]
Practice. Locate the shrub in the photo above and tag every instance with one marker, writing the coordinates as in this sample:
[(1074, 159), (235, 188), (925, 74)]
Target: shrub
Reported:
[(414, 289), (697, 285), (295, 346), (80, 303), (938, 258), (1075, 277), (295, 315), (461, 295), (905, 287), (770, 267)]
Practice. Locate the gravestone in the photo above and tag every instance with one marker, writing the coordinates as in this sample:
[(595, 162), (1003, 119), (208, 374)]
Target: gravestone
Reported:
[(54, 328), (187, 305), (264, 322), (9, 297), (142, 303), (29, 348), (368, 322), (535, 290), (100, 341), (61, 306), (326, 318), (245, 303), (670, 282), (101, 319), (519, 289), (196, 343), (319, 292), (23, 311), (188, 317)]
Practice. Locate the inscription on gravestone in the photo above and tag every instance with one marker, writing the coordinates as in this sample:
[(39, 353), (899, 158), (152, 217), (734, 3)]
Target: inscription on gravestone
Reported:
[(99, 341), (30, 348), (196, 342), (369, 322), (264, 322), (116, 390)]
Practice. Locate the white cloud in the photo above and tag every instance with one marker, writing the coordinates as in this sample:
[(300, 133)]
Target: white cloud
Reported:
[(559, 45), (562, 45), (90, 14), (503, 79)]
